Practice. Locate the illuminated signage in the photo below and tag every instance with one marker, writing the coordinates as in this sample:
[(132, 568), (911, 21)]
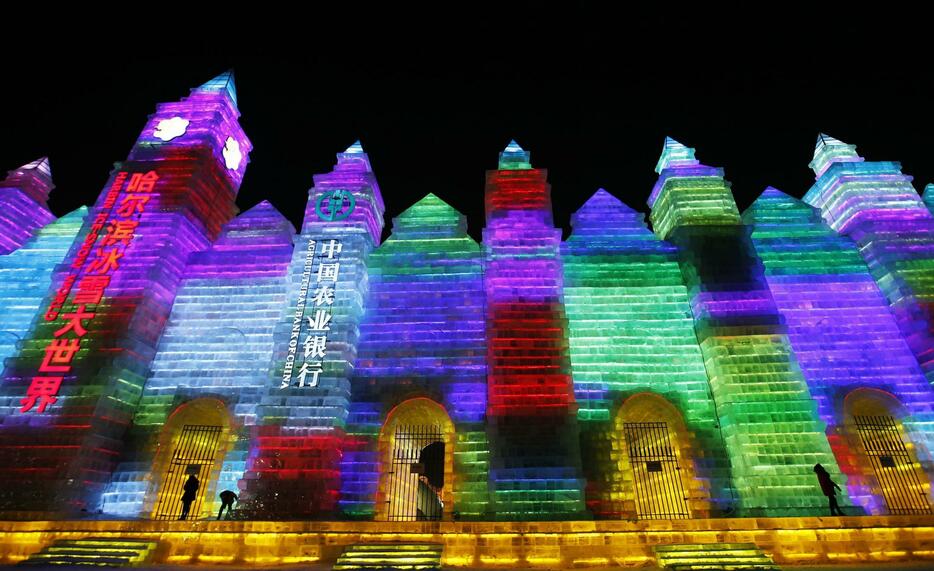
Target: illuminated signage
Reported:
[(91, 270), (314, 317)]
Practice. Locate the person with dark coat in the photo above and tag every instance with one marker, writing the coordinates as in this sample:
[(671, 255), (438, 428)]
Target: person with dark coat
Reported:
[(227, 500), (191, 489), (829, 487)]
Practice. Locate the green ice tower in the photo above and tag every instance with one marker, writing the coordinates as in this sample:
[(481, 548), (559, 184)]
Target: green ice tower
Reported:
[(768, 418)]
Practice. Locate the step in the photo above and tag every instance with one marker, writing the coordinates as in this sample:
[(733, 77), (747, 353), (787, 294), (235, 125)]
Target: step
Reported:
[(407, 556), (94, 551), (713, 557)]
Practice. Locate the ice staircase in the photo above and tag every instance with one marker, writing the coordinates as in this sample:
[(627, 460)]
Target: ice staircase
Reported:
[(713, 557), (98, 551), (390, 556)]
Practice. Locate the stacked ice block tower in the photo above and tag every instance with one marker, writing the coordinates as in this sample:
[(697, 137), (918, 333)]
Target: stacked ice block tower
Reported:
[(424, 335), (631, 331), (839, 323), (532, 414), (168, 199), (217, 345), (876, 205), (295, 465), (768, 418)]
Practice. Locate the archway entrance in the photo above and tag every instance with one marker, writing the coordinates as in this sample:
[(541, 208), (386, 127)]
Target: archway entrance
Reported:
[(886, 461), (654, 456), (193, 444), (416, 447)]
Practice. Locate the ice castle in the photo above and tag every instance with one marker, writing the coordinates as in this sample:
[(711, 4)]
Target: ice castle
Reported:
[(690, 368)]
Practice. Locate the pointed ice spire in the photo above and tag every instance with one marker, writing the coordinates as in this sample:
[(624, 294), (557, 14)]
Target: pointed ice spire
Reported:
[(514, 157), (829, 150), (223, 82), (263, 223), (354, 158), (775, 207), (674, 154), (41, 165), (34, 179), (606, 212)]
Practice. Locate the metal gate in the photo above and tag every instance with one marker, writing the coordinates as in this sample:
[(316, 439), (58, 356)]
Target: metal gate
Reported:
[(194, 454), (898, 477), (413, 492), (657, 476)]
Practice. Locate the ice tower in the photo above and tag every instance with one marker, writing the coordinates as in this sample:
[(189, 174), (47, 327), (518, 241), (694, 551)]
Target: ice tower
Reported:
[(294, 468), (767, 416), (24, 208), (212, 363), (69, 396), (843, 334), (875, 204), (420, 377), (638, 370), (532, 413), (26, 274)]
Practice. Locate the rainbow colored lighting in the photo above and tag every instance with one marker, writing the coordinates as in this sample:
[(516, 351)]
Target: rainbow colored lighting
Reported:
[(534, 466), (167, 200), (25, 277), (631, 331), (875, 204), (217, 343), (295, 465), (768, 418), (839, 324), (424, 331)]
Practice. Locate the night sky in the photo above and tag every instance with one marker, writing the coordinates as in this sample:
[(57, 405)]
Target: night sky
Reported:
[(590, 95)]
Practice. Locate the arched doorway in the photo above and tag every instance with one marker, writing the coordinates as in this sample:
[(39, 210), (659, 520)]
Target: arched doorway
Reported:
[(885, 475), (655, 460), (416, 450), (193, 442)]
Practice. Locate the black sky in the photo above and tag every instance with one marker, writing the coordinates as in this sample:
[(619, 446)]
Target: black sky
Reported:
[(591, 94)]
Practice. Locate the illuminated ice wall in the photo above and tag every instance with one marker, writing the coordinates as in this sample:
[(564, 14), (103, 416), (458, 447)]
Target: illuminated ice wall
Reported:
[(928, 197), (876, 205), (631, 331), (295, 463), (24, 196), (535, 460), (25, 277), (839, 324), (217, 345), (423, 335), (82, 368), (768, 418)]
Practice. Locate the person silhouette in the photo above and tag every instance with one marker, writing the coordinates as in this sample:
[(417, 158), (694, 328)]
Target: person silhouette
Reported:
[(191, 488), (829, 487), (227, 500)]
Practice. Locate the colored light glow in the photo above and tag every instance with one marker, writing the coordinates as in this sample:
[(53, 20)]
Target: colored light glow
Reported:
[(839, 324), (180, 214), (752, 370), (688, 193), (631, 331), (424, 328), (877, 206), (25, 277), (220, 317), (315, 416), (534, 466), (24, 210)]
